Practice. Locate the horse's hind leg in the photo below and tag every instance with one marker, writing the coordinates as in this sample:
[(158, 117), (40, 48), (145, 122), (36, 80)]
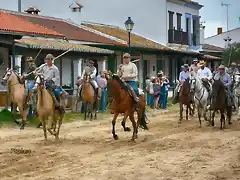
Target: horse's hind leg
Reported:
[(14, 108), (199, 117), (213, 116), (124, 123), (181, 112), (115, 136), (134, 124), (188, 107), (222, 120), (50, 122), (43, 120), (59, 125)]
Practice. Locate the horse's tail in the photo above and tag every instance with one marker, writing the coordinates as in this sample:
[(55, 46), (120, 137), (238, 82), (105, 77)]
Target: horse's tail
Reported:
[(143, 120)]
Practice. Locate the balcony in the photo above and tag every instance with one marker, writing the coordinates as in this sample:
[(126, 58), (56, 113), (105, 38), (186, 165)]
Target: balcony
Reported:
[(178, 37)]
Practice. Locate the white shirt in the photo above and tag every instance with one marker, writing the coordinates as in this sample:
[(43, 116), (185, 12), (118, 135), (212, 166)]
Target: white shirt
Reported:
[(128, 71), (204, 73)]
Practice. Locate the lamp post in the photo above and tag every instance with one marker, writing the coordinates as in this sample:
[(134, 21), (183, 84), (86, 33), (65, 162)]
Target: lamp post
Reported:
[(228, 40), (129, 26)]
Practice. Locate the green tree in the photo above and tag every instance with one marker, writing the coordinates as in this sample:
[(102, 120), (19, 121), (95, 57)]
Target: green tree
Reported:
[(231, 54)]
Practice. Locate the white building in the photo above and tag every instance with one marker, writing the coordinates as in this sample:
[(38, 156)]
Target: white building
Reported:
[(222, 39)]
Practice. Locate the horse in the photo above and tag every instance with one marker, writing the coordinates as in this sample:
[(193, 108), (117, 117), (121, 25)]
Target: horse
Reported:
[(236, 93), (18, 95), (46, 108), (185, 98), (124, 103), (220, 103), (200, 96), (88, 97)]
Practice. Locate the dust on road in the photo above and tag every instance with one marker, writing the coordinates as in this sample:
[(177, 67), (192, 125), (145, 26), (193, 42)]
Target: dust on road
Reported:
[(87, 151)]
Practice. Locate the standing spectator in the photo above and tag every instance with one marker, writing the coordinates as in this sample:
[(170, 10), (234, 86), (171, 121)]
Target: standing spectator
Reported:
[(147, 89), (151, 92), (156, 90), (164, 92), (102, 83)]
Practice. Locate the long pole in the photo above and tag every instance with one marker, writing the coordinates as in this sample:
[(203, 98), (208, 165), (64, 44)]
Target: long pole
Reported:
[(129, 42), (19, 5), (227, 12)]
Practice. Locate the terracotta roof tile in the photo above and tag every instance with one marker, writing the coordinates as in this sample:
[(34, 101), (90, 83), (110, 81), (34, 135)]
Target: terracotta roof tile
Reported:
[(117, 32), (59, 45), (12, 23), (212, 47), (209, 57), (71, 31)]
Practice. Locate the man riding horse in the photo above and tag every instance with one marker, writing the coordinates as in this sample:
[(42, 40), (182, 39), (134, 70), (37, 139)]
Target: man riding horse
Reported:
[(51, 76), (205, 74), (233, 69), (227, 81), (90, 69), (128, 72), (184, 74), (194, 66)]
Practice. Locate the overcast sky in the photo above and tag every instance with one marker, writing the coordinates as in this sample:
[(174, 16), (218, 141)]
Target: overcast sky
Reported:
[(212, 13)]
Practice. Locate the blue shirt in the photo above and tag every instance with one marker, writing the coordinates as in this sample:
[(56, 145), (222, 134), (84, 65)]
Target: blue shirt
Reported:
[(225, 78), (183, 76)]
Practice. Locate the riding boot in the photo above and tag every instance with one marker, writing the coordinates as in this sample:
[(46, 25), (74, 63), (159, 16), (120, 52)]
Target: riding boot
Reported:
[(96, 92), (175, 98), (57, 104)]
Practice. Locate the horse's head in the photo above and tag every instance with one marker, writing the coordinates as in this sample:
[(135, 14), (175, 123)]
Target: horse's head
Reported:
[(39, 81), (217, 87), (186, 87), (113, 84), (237, 79), (8, 75), (87, 78), (192, 82)]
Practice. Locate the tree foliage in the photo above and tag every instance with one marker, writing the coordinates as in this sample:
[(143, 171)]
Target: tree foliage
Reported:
[(231, 54)]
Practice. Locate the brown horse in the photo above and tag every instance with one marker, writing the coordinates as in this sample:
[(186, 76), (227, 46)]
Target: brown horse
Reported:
[(88, 97), (219, 102), (18, 95), (124, 103), (185, 98), (46, 108)]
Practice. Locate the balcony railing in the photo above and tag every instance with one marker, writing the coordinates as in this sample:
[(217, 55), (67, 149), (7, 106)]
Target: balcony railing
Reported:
[(178, 37)]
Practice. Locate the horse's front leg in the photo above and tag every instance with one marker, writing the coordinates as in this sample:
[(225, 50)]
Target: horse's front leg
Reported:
[(199, 116), (134, 124), (188, 107), (181, 112), (85, 110), (115, 136), (124, 122), (222, 120), (14, 108), (213, 116)]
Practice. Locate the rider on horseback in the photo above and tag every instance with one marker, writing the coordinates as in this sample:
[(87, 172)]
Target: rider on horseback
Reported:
[(194, 66), (184, 74), (51, 76), (90, 69), (205, 74), (233, 69), (128, 72), (226, 79)]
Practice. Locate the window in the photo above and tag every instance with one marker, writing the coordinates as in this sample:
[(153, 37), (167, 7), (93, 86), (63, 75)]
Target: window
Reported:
[(179, 22), (170, 19)]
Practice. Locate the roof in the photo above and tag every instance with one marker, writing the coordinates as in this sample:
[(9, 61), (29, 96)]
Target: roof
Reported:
[(209, 57), (59, 45), (117, 32), (68, 29), (212, 47), (10, 23), (225, 32)]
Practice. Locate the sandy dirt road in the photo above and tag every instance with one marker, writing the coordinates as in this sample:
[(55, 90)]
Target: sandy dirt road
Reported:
[(87, 151)]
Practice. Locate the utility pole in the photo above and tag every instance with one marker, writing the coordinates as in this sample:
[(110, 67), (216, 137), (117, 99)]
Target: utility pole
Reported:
[(227, 12), (19, 5)]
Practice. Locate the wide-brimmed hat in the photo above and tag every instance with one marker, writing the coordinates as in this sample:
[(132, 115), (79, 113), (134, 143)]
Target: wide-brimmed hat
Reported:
[(221, 66), (16, 68), (201, 63), (49, 56), (186, 66), (126, 55), (195, 60), (160, 72), (91, 62), (233, 64), (30, 59)]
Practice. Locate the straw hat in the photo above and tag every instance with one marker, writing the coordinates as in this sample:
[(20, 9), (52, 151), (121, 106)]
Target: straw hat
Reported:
[(201, 63), (49, 56), (185, 66), (221, 66), (126, 55), (233, 64), (91, 62), (195, 60), (30, 59), (160, 72)]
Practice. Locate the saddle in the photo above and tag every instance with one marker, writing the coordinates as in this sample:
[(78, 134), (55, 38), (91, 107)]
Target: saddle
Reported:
[(131, 91)]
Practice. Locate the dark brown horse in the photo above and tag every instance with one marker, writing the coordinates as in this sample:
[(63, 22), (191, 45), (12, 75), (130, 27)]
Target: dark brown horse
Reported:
[(219, 102), (185, 98), (124, 103)]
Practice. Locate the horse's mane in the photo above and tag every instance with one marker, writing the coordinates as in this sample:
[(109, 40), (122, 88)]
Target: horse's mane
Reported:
[(121, 83), (18, 78)]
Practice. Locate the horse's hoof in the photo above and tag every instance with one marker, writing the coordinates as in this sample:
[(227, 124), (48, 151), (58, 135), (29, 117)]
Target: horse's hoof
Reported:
[(229, 123), (18, 123), (115, 136), (22, 127), (127, 129)]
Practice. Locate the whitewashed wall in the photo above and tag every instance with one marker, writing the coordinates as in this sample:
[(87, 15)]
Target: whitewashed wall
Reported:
[(4, 53), (218, 40)]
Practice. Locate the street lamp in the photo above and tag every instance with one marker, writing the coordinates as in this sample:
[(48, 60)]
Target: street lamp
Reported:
[(228, 40), (129, 26)]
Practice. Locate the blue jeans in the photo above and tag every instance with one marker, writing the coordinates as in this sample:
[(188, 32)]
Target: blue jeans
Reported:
[(30, 85), (134, 86), (164, 100), (103, 100)]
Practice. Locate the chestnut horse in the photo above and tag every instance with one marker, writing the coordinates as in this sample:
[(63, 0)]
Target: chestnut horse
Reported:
[(185, 98), (124, 103)]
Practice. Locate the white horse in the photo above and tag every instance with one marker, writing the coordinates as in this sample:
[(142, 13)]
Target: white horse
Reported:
[(236, 93), (200, 96)]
